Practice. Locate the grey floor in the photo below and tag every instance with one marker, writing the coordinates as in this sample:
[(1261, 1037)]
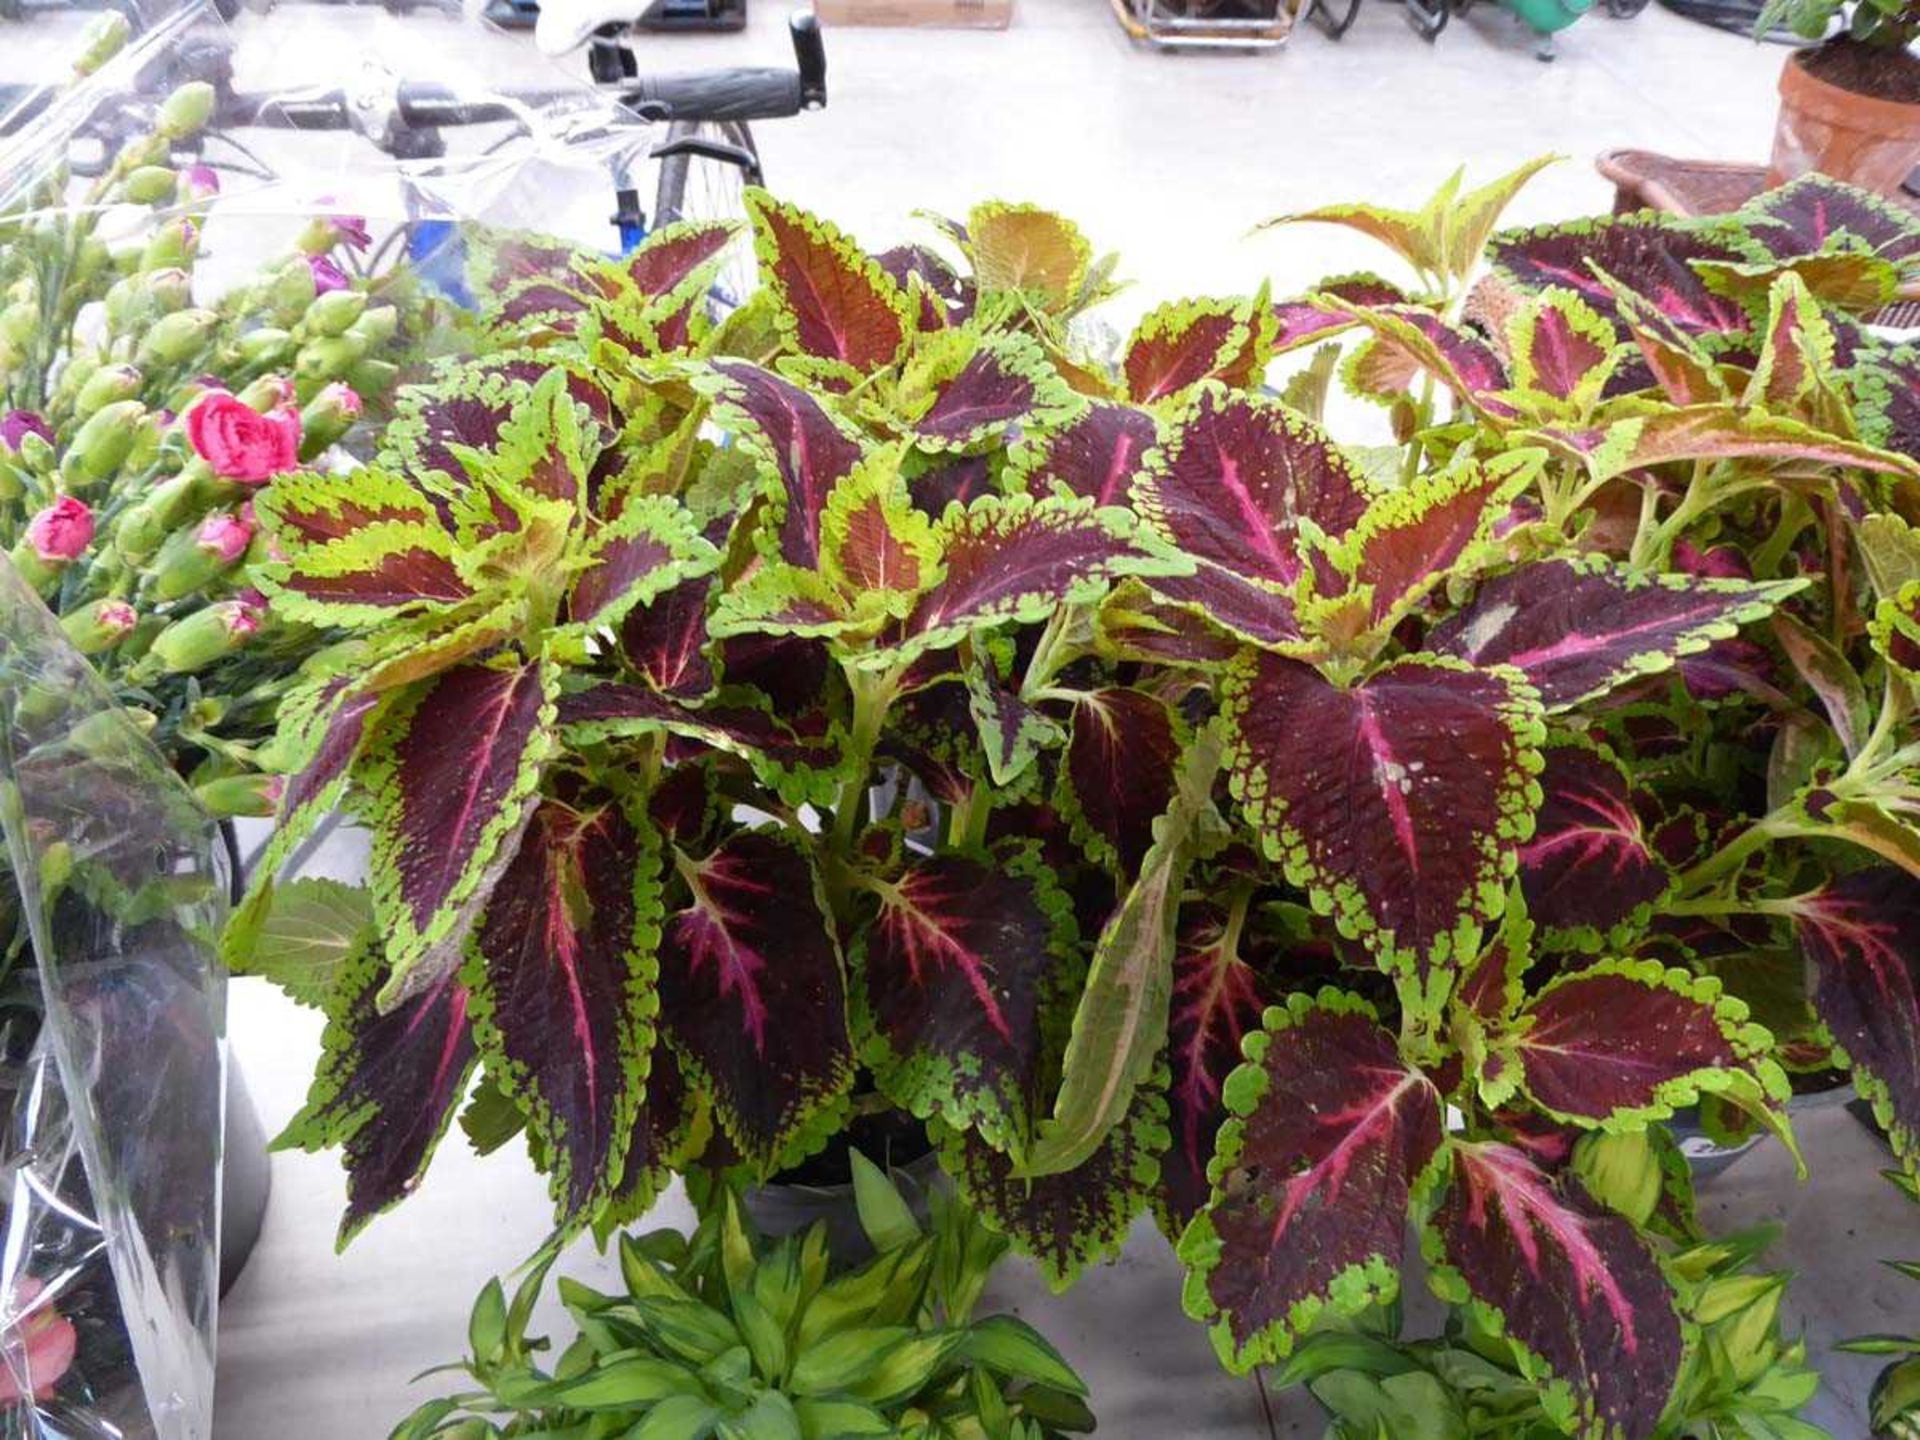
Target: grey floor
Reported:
[(1169, 159)]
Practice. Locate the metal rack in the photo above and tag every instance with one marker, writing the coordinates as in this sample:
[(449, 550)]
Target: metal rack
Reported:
[(1159, 24)]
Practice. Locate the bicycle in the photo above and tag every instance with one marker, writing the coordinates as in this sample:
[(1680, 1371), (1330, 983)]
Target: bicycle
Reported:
[(706, 159)]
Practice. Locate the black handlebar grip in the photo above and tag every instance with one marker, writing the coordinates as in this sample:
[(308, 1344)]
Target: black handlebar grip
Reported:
[(754, 94), (809, 57)]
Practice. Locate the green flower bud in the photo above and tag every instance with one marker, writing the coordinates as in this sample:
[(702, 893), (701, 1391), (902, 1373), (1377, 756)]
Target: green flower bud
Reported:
[(267, 394), (105, 36), (37, 455), (265, 346), (20, 322), (145, 150), (171, 289), (374, 377), (203, 637), (106, 386), (327, 358), (101, 444), (13, 480), (256, 795), (185, 112), (172, 245), (99, 625), (92, 261), (197, 554), (377, 326), (328, 416), (291, 290), (177, 338), (138, 533), (334, 312), (151, 185)]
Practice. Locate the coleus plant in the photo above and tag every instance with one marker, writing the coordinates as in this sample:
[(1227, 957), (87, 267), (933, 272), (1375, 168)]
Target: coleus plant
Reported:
[(873, 698)]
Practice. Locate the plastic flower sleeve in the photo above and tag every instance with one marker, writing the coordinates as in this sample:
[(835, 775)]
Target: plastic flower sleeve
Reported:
[(112, 1081)]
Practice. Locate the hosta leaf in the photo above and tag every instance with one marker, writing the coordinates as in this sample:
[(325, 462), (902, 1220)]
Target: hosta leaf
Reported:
[(1018, 559), (1120, 1025), (1217, 1000), (561, 970), (952, 972), (1096, 455), (1003, 382), (1591, 872), (1578, 628), (1180, 344), (1627, 1041), (1024, 248), (1064, 1223), (1236, 478), (1648, 255), (751, 995), (1861, 935), (387, 1085), (653, 546), (1571, 1284), (665, 641), (1399, 803), (1330, 1134), (834, 301), (450, 779), (670, 254), (808, 448), (1123, 755)]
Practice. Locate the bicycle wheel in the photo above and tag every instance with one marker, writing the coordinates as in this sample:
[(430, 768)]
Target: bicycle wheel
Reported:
[(694, 187)]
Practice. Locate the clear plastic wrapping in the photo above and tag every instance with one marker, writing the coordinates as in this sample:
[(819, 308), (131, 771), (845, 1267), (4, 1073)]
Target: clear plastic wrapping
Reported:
[(113, 1093)]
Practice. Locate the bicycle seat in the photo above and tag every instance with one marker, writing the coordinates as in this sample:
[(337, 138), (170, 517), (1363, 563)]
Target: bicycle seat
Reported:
[(566, 25)]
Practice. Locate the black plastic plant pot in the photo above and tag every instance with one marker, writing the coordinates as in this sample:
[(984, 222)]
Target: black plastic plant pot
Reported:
[(820, 1188)]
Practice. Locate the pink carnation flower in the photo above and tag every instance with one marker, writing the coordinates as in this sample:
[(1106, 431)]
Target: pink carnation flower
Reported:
[(37, 1345), (327, 276), (241, 444), (62, 531), (224, 535)]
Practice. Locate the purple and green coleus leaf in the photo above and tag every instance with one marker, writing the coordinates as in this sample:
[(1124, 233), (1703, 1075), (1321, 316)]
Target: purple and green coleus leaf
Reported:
[(1714, 432), (1218, 999), (1183, 343), (963, 390), (1097, 454), (387, 1085), (1408, 341), (1012, 732), (1330, 1135), (1028, 250), (1860, 933), (666, 643), (952, 976), (1571, 1284), (1310, 318), (1580, 627), (752, 997), (1066, 1222), (807, 447), (1399, 803), (1627, 1041), (561, 969), (1814, 213), (1896, 631), (832, 300), (449, 781), (1119, 772), (653, 546), (1591, 872), (1648, 255), (1562, 353)]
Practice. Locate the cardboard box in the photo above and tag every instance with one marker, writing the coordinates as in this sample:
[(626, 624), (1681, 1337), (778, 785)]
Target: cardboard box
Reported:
[(918, 14)]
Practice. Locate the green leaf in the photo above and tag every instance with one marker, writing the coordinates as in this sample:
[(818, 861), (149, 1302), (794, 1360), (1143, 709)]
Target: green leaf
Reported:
[(688, 1328), (1891, 549), (1029, 250), (1121, 1023), (626, 1385), (843, 1361), (1009, 1346), (840, 1420), (678, 1417), (308, 931), (907, 1368), (1470, 220), (487, 1327), (884, 1215), (771, 1417)]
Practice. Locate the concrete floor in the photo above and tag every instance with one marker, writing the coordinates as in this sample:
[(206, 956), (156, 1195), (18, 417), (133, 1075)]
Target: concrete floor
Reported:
[(1169, 159)]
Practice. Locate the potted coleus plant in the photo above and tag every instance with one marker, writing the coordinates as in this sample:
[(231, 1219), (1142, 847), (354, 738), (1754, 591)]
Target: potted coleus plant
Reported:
[(1296, 841), (1849, 104)]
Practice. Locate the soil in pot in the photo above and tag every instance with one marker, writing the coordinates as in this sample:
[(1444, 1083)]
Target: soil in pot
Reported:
[(1851, 111)]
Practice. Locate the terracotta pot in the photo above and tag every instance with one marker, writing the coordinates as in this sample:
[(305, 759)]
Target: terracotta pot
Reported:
[(1871, 143)]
